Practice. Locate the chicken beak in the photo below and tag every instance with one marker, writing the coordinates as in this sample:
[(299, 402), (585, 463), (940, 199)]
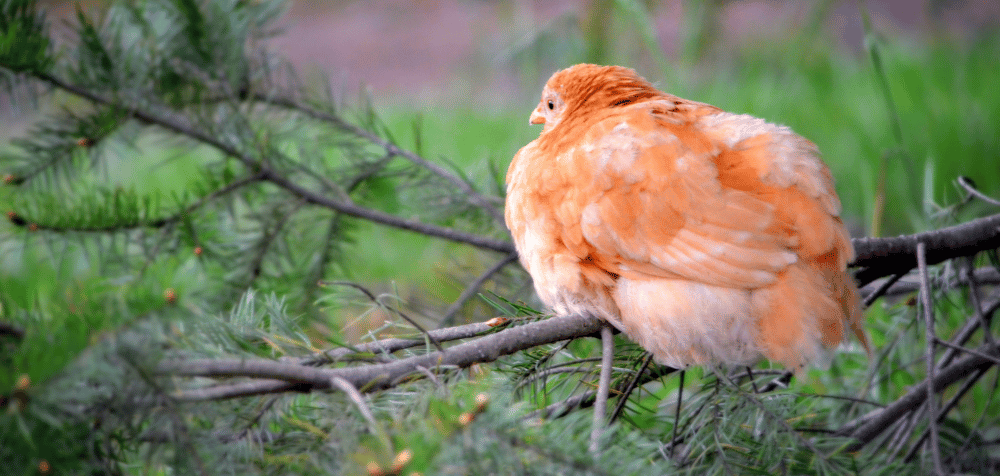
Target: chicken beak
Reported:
[(536, 117)]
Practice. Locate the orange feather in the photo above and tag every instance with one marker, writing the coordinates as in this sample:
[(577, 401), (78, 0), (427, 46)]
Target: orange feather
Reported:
[(705, 236)]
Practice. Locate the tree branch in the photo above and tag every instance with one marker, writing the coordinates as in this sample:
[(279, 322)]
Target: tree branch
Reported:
[(388, 346), (931, 337), (475, 197), (380, 376), (269, 174), (869, 426), (470, 290), (898, 285), (887, 256), (969, 187), (283, 376)]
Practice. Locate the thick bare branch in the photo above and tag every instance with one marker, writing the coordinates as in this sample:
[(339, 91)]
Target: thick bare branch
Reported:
[(887, 256)]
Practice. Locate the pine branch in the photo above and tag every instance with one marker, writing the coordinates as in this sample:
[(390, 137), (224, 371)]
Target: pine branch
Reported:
[(391, 345), (24, 220), (488, 348), (949, 370), (173, 100), (381, 376), (866, 428), (176, 125), (486, 203), (285, 376)]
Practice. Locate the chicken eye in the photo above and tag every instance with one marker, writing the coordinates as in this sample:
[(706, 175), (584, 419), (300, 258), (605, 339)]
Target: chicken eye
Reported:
[(552, 105)]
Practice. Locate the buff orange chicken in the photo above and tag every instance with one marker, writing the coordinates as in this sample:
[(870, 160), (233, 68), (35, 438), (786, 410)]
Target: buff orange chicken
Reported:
[(705, 236)]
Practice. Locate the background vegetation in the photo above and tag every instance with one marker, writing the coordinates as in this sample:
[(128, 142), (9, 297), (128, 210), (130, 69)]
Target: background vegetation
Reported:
[(182, 194)]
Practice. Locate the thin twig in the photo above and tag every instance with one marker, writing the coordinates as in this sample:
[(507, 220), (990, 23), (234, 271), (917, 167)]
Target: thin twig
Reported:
[(632, 384), (677, 412), (865, 428), (544, 374), (267, 239), (430, 376), (603, 387), (910, 283), (973, 191), (968, 329), (931, 337), (967, 350), (379, 302), (472, 288), (359, 402), (844, 398), (969, 383), (563, 407), (973, 431), (752, 398), (975, 298), (586, 399), (869, 299), (752, 382), (898, 440), (474, 196), (780, 381), (394, 344), (22, 220), (961, 337)]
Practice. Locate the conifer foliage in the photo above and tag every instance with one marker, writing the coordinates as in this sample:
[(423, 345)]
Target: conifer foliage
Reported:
[(183, 215)]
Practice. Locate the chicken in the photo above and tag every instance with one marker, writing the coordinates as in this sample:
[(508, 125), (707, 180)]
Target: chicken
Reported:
[(705, 236)]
